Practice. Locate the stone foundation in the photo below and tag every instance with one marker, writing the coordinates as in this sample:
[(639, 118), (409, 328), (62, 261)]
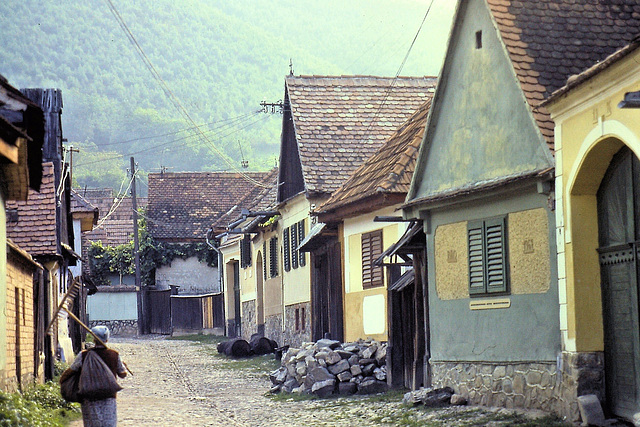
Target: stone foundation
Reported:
[(292, 336), (548, 386), (273, 328), (248, 326), (582, 374), (118, 327)]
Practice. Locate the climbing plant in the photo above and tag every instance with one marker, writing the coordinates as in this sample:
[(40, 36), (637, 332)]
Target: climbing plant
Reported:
[(108, 260)]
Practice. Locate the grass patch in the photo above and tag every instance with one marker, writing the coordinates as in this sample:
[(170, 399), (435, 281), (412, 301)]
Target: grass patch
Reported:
[(291, 397), (200, 338), (40, 405), (258, 364)]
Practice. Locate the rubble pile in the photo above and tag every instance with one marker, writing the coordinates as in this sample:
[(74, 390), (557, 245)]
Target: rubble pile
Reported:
[(328, 367), (434, 397)]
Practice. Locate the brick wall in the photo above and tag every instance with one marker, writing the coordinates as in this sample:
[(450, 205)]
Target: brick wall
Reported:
[(20, 332)]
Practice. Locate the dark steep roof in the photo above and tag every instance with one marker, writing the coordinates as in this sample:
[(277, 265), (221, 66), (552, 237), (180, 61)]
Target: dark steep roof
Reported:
[(340, 122), (183, 206), (550, 40), (388, 171)]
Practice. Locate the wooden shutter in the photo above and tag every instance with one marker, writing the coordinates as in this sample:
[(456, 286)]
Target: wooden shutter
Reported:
[(273, 256), (294, 245), (487, 256), (476, 258), (371, 249), (287, 258), (301, 235), (264, 259), (245, 252), (495, 264)]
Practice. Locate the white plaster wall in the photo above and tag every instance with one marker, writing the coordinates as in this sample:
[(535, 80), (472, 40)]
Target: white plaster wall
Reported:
[(112, 306), (192, 276)]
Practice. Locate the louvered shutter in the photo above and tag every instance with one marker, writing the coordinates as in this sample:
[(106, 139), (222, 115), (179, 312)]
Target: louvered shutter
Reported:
[(264, 259), (495, 265), (301, 235), (294, 245), (476, 258), (245, 252), (273, 256), (287, 258), (371, 249)]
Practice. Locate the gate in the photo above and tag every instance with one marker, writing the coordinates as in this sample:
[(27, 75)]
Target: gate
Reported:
[(159, 311)]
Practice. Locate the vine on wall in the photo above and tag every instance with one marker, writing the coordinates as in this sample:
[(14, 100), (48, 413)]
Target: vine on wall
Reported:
[(108, 260)]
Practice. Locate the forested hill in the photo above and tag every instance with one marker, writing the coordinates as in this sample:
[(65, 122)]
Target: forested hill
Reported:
[(219, 58)]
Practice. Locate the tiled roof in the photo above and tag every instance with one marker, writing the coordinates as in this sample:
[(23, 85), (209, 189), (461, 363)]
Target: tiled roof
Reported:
[(256, 199), (341, 121), (35, 229), (389, 170), (117, 228), (183, 206), (80, 204), (550, 40)]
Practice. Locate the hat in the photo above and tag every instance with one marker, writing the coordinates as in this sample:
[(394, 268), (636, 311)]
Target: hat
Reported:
[(102, 332)]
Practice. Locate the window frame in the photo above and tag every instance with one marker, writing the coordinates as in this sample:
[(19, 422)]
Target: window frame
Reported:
[(488, 257)]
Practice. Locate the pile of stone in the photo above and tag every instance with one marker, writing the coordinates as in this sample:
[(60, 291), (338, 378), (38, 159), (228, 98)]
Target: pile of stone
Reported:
[(328, 367), (434, 397)]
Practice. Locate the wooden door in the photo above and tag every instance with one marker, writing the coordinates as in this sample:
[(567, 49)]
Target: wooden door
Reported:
[(326, 284), (236, 299), (618, 208)]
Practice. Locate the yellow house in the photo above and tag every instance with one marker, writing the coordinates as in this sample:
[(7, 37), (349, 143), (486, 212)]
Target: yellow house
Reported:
[(597, 134), (331, 125), (365, 210)]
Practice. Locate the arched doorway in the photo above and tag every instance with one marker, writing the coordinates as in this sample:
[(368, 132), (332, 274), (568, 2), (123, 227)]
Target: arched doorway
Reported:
[(618, 199), (260, 294)]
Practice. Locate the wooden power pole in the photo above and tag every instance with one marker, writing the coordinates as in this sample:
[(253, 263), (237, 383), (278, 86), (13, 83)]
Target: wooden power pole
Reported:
[(136, 251)]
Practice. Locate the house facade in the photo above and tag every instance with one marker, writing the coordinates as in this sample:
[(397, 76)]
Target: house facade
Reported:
[(331, 125), (597, 148)]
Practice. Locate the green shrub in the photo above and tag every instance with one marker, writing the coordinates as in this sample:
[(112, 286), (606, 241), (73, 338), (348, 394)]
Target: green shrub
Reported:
[(39, 406)]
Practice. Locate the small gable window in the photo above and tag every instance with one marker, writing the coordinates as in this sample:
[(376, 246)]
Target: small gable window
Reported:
[(488, 264), (478, 39), (371, 249)]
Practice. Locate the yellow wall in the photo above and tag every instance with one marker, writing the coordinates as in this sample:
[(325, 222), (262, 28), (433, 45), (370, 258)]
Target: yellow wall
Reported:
[(296, 282), (365, 311), (590, 129), (230, 254), (529, 268)]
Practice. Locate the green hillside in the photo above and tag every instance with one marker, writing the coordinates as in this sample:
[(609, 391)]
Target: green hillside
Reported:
[(219, 58)]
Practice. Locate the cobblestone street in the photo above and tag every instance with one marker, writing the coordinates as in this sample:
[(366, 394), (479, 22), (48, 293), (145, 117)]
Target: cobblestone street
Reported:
[(186, 383)]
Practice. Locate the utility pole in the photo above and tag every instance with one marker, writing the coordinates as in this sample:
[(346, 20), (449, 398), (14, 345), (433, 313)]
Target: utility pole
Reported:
[(71, 151), (136, 250)]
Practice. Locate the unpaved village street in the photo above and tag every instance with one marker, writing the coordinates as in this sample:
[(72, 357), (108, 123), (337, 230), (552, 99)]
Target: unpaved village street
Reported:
[(186, 383)]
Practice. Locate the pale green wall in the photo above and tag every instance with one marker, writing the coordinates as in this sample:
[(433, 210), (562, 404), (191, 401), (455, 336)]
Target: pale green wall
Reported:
[(528, 330), (480, 127)]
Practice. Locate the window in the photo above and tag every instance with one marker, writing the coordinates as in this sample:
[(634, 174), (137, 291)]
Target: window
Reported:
[(297, 311), (287, 258), (488, 264), (478, 39), (245, 252), (294, 245), (264, 259), (371, 249), (302, 318), (301, 255), (273, 256)]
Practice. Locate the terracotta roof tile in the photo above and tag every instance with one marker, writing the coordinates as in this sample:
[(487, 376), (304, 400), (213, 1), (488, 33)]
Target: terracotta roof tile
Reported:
[(183, 206), (117, 228), (550, 40), (80, 204), (389, 170), (341, 121), (35, 229)]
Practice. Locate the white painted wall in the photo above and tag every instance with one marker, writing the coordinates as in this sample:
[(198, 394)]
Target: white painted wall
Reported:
[(192, 276), (112, 306)]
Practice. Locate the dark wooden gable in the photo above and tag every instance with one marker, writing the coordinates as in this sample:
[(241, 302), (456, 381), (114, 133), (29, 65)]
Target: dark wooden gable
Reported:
[(290, 180)]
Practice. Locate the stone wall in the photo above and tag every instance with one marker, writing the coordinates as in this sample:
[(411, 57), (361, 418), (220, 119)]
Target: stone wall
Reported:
[(249, 326), (296, 336), (544, 386), (273, 328), (125, 328)]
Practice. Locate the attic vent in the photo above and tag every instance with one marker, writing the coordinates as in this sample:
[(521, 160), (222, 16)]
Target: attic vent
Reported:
[(479, 39)]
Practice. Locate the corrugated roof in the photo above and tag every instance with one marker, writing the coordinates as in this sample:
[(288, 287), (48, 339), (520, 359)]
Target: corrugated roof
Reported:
[(389, 170), (341, 121), (550, 40), (183, 206)]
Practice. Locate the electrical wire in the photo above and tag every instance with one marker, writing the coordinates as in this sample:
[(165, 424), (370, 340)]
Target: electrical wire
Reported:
[(116, 204), (172, 97)]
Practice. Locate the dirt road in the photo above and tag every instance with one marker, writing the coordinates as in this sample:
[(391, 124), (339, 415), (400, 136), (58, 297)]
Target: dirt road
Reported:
[(185, 383)]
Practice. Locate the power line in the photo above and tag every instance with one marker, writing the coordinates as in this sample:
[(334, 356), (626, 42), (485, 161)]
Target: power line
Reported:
[(172, 97)]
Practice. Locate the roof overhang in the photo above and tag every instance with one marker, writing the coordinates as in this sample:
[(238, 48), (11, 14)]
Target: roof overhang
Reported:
[(403, 246), (318, 236), (408, 278)]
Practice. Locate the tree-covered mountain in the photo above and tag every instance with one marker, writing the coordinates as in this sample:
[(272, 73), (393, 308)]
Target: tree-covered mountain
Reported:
[(219, 58)]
